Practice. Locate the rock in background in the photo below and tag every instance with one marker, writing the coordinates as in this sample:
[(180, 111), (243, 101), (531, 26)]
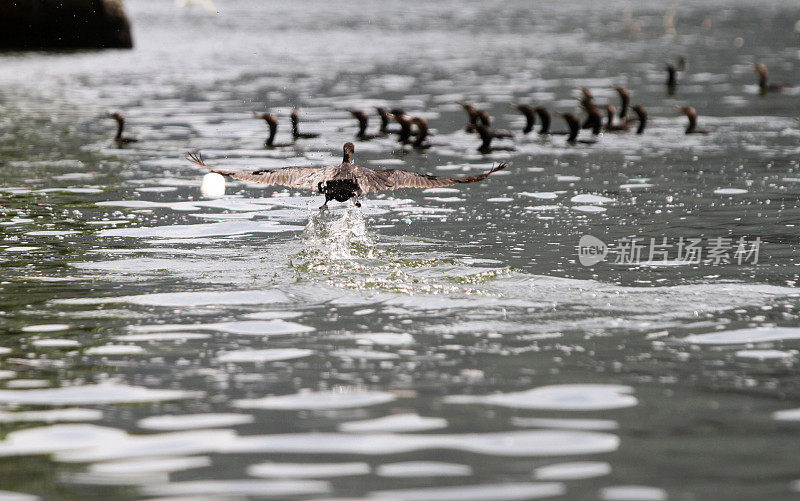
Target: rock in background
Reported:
[(63, 24)]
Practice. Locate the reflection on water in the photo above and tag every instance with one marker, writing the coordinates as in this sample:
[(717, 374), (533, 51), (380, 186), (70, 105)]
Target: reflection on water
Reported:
[(439, 344)]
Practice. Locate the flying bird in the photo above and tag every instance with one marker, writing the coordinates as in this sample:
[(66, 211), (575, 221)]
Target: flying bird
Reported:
[(344, 181)]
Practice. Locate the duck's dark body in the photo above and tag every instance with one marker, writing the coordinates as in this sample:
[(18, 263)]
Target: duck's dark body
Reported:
[(119, 138)]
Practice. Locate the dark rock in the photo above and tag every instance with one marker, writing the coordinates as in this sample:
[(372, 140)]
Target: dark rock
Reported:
[(63, 24)]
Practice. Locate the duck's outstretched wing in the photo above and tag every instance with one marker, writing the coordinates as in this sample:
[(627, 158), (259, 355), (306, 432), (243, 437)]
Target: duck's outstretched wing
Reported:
[(375, 180), (292, 177)]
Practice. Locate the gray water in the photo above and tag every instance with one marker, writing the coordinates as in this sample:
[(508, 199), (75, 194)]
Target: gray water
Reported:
[(437, 344)]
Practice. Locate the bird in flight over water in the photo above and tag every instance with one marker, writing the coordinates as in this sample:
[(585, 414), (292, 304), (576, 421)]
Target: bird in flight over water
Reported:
[(346, 180)]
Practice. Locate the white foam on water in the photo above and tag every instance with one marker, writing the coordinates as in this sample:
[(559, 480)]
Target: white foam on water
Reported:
[(729, 191), (452, 199), (500, 199), (115, 350), (272, 315), (787, 415), (587, 198), (308, 470), (744, 336), (20, 249), (397, 423), (202, 298), (334, 399), (149, 465), (589, 208), (73, 414), (635, 186), (543, 207), (28, 383), (632, 493), (567, 178), (4, 374), (203, 230), (565, 423), (572, 471), (170, 422), (59, 437), (422, 469), (261, 356), (17, 496), (483, 492), (213, 489), (364, 354), (506, 444), (4, 350), (257, 328), (93, 394), (385, 339), (46, 328), (566, 397), (766, 354), (161, 336), (124, 446), (544, 195), (55, 343)]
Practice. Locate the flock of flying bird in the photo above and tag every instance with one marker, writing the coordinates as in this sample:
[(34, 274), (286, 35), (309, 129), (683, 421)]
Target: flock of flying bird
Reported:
[(349, 181)]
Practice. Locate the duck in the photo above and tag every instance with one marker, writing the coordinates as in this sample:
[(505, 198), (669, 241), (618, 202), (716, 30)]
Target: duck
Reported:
[(484, 119), (345, 181), (405, 133), (764, 86), (386, 118), (472, 117), (119, 138), (272, 122), (691, 114), (545, 120), (529, 113), (296, 134), (610, 126), (487, 135), (641, 116), (625, 101), (574, 127), (363, 121)]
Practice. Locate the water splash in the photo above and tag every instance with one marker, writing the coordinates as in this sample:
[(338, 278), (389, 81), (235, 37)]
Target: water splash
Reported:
[(337, 235)]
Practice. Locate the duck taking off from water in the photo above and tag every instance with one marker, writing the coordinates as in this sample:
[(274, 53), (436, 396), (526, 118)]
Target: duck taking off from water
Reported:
[(344, 181), (119, 138)]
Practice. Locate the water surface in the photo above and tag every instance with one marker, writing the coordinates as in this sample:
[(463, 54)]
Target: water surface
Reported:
[(436, 344)]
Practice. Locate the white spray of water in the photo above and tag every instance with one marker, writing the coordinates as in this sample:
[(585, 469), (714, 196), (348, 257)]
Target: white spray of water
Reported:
[(339, 234)]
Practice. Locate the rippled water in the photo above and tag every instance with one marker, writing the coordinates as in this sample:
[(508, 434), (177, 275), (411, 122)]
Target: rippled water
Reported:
[(437, 344)]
